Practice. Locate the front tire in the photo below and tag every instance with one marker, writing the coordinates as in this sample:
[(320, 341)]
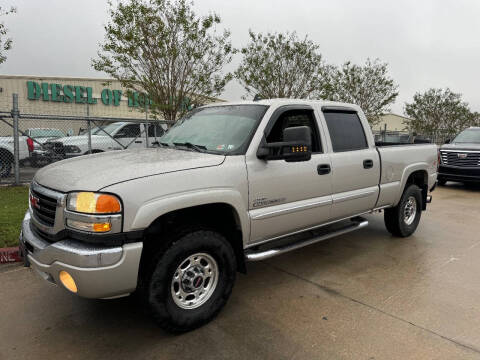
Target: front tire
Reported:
[(191, 281), (441, 182), (402, 220)]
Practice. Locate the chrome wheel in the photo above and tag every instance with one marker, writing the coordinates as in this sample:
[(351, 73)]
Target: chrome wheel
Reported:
[(194, 281), (410, 210)]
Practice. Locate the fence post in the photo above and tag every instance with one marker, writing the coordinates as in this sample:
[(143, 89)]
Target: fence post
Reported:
[(16, 143), (89, 131)]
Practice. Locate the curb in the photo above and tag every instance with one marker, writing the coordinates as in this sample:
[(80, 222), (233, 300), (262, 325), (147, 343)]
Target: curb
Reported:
[(10, 255)]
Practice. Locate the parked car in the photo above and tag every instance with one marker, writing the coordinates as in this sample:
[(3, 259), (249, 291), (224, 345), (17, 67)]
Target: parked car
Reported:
[(114, 136), (460, 158), (231, 183), (7, 153)]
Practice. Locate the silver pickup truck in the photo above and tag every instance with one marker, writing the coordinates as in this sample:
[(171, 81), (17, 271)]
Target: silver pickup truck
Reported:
[(230, 183)]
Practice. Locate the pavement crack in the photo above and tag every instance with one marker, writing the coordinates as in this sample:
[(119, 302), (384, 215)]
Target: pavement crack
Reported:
[(339, 294)]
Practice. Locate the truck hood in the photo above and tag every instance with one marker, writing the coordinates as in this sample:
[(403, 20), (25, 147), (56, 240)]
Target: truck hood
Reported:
[(461, 146), (79, 139), (96, 171)]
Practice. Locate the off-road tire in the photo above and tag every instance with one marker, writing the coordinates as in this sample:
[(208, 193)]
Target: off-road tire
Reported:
[(158, 283), (395, 217)]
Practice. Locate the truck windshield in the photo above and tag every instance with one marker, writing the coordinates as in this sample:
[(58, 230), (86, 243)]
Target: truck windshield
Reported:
[(109, 129), (468, 136), (46, 133), (218, 129)]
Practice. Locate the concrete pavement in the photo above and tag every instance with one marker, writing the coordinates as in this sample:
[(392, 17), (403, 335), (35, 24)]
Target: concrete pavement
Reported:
[(365, 295)]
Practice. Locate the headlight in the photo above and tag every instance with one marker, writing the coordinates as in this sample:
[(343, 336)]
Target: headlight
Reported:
[(71, 149), (93, 203), (94, 212)]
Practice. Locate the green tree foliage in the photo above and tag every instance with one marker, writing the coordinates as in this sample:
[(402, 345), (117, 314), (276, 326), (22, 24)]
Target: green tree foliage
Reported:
[(5, 42), (279, 65), (368, 86), (162, 48), (439, 111)]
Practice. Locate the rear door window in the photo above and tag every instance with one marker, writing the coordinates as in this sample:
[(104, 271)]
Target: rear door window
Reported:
[(346, 131)]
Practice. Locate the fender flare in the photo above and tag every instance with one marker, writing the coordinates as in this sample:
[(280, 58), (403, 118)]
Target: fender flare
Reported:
[(7, 148), (409, 170), (155, 208)]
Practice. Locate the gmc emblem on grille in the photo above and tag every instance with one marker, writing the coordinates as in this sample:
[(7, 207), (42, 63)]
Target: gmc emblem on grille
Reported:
[(462, 156), (34, 201)]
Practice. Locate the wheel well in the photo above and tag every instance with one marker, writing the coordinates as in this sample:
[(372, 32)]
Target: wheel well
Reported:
[(218, 216), (6, 154), (419, 178)]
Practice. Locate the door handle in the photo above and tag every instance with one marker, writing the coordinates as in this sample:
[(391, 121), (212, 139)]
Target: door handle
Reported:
[(323, 169), (138, 142), (368, 164)]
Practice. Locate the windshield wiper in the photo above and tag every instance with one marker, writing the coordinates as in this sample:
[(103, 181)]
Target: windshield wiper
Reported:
[(198, 148), (165, 144)]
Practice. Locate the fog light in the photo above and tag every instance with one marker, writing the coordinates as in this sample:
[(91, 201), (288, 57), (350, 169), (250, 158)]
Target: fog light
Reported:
[(67, 281)]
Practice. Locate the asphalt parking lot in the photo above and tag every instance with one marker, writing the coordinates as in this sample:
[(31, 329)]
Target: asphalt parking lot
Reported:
[(365, 295)]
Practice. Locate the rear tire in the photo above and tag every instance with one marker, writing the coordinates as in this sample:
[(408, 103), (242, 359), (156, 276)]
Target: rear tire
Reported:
[(191, 281), (402, 220)]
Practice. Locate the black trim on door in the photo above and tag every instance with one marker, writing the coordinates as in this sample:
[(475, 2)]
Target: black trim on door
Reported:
[(323, 169)]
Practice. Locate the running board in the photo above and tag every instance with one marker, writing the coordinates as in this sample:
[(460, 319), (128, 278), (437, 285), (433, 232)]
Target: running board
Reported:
[(252, 255)]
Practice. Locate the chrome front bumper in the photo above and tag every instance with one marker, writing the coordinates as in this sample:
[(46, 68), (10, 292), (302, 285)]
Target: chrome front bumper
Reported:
[(98, 271)]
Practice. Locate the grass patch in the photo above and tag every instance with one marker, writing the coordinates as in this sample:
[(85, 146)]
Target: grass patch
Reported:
[(13, 205)]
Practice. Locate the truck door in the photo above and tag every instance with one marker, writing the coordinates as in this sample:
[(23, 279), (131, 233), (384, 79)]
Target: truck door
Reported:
[(285, 197), (355, 163), (130, 136)]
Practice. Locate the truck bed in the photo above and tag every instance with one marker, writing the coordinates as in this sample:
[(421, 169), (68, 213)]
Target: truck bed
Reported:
[(398, 160)]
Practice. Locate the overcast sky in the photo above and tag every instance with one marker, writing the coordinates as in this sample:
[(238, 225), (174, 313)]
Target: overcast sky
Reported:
[(427, 43)]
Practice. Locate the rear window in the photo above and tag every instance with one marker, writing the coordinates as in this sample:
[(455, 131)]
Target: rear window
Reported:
[(346, 131)]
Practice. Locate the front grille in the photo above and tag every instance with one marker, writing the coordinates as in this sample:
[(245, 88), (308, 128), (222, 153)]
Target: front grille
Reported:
[(43, 207), (460, 159), (55, 147)]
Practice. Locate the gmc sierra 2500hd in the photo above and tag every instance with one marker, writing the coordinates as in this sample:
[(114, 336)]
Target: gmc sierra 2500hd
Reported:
[(230, 183)]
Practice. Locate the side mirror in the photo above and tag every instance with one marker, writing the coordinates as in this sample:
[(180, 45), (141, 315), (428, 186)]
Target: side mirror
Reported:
[(448, 141), (119, 135), (297, 146)]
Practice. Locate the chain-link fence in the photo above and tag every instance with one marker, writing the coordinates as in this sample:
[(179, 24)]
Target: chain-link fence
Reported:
[(401, 137), (32, 137)]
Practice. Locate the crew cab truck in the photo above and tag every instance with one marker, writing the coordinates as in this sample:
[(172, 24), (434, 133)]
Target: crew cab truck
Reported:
[(460, 158), (230, 183), (29, 144), (118, 135)]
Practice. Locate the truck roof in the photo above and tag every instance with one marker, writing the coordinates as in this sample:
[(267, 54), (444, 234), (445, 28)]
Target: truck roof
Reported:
[(282, 101)]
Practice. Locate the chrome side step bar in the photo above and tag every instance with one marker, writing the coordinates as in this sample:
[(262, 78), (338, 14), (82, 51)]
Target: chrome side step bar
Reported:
[(252, 255)]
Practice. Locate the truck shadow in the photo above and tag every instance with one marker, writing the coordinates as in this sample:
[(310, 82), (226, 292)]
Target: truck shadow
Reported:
[(474, 187)]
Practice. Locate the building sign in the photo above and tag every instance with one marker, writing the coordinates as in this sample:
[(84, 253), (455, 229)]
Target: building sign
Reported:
[(81, 94)]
